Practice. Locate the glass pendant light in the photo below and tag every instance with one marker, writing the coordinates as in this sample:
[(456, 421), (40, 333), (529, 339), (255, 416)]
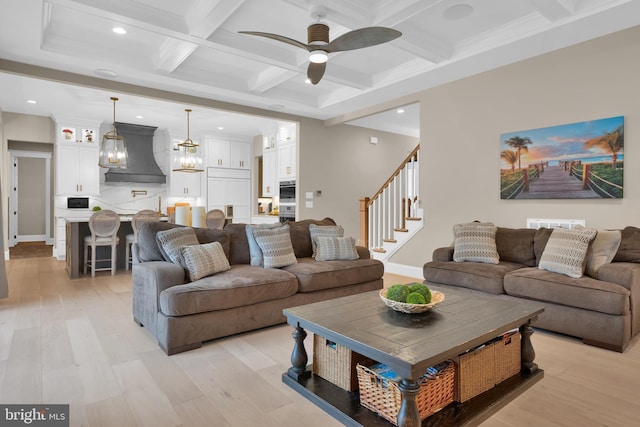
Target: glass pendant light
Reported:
[(113, 151), (188, 159)]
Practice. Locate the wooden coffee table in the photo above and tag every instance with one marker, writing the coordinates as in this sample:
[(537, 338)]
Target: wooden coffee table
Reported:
[(409, 344)]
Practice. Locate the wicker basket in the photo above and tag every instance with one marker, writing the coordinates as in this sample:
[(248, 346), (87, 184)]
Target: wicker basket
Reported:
[(475, 372), (507, 357), (383, 396), (436, 298), (480, 370), (336, 363)]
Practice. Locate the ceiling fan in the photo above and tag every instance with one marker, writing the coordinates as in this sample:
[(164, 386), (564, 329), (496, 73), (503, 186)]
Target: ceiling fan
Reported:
[(319, 46)]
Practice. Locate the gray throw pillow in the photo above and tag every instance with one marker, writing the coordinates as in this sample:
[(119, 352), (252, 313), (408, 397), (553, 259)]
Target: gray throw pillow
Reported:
[(204, 260), (475, 241), (566, 250), (323, 230), (254, 248), (335, 248), (171, 241), (275, 244)]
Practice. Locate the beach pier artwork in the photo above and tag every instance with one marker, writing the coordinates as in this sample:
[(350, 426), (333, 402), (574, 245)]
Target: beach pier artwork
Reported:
[(582, 160)]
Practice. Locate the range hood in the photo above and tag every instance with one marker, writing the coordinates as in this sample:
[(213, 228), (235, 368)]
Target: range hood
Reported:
[(142, 164)]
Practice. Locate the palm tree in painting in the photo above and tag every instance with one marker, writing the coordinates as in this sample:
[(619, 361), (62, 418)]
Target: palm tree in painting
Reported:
[(520, 145), (511, 157), (612, 142)]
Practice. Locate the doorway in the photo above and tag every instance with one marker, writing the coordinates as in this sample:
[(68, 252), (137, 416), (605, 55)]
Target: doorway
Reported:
[(29, 199)]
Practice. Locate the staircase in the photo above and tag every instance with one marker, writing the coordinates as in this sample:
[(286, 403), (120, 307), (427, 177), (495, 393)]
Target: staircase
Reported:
[(393, 215)]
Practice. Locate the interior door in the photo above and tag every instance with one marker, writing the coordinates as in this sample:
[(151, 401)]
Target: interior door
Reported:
[(29, 206)]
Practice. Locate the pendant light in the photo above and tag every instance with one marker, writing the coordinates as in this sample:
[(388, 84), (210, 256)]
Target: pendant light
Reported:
[(188, 160), (113, 151)]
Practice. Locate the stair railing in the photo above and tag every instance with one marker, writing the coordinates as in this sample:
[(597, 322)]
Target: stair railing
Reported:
[(387, 211)]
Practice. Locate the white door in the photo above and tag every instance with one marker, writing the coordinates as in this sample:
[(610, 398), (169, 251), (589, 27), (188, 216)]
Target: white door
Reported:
[(29, 201)]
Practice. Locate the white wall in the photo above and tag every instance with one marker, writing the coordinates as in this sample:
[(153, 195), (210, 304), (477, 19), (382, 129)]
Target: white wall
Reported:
[(461, 125)]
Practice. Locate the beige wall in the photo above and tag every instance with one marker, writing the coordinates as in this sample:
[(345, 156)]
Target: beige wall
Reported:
[(342, 163), (461, 125)]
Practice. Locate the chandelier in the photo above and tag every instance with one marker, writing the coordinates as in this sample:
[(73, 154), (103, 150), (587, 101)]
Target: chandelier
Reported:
[(113, 151), (188, 159)]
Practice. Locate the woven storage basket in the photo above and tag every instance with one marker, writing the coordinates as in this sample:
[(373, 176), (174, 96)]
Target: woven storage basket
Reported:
[(475, 372), (336, 363), (507, 357), (382, 395)]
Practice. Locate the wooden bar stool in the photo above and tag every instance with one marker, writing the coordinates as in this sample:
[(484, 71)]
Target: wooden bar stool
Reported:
[(104, 226), (139, 218)]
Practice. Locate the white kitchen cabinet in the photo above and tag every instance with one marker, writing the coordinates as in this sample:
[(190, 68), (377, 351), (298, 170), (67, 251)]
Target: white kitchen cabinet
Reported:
[(228, 154), (269, 173), (230, 188), (185, 184), (77, 170), (287, 161)]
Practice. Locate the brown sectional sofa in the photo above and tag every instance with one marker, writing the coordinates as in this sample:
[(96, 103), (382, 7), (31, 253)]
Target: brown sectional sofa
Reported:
[(603, 311), (182, 314)]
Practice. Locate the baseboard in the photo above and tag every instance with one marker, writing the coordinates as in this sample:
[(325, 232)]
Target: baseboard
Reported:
[(403, 270)]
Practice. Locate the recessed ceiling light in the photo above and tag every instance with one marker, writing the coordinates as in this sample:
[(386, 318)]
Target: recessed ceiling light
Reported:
[(459, 11), (307, 81), (220, 128), (31, 101), (400, 110), (119, 30), (139, 117), (103, 72)]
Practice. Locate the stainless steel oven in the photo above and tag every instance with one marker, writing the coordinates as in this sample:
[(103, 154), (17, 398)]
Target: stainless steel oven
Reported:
[(287, 201)]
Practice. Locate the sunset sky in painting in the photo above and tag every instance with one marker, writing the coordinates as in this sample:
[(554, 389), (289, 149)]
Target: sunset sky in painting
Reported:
[(564, 142)]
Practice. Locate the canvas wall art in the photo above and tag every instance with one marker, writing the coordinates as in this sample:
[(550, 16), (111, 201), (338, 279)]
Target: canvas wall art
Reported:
[(582, 160)]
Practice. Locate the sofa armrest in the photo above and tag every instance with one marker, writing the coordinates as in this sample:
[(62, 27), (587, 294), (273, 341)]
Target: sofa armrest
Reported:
[(626, 274), (149, 280), (363, 253), (443, 254)]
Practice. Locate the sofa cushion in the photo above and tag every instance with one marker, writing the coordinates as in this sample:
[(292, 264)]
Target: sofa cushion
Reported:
[(318, 275), (204, 260), (585, 292), (171, 242), (566, 251), (472, 275), (540, 241), (301, 237), (334, 248), (275, 245), (210, 235), (475, 242), (323, 230), (602, 251), (516, 245), (629, 250), (238, 246), (240, 286), (254, 249), (148, 248)]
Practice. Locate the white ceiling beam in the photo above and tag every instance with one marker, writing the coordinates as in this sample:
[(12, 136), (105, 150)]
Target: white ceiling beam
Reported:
[(206, 16), (554, 10), (270, 78), (171, 54)]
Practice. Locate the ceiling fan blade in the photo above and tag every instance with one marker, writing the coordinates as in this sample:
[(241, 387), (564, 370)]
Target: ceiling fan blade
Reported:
[(316, 71), (278, 38), (363, 37)]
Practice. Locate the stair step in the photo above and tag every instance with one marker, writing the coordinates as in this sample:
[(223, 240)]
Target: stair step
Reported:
[(413, 218), (402, 230), (379, 250), (390, 240)]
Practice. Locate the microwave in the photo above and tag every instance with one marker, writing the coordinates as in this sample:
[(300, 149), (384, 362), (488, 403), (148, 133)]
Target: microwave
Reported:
[(77, 203)]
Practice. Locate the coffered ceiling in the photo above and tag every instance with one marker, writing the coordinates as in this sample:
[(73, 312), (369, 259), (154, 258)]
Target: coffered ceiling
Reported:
[(194, 46)]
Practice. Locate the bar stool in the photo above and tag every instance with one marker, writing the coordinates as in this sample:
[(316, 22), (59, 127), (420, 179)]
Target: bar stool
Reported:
[(104, 226), (139, 218), (216, 219)]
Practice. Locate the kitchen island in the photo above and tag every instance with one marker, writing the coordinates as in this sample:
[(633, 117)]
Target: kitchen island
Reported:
[(77, 228)]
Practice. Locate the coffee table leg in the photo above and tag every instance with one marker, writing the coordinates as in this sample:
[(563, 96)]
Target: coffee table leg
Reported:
[(298, 369), (408, 415), (526, 349)]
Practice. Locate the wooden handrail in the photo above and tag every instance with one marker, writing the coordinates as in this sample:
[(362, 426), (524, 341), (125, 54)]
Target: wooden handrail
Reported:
[(410, 157)]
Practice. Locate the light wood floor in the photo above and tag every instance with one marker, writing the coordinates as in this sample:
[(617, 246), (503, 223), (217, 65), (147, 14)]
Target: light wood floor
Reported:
[(64, 341)]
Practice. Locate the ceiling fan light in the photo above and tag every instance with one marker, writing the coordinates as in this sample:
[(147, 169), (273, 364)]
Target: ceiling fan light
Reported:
[(318, 56)]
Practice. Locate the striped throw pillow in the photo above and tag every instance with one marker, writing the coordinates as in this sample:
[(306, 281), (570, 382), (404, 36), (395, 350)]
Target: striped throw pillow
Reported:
[(276, 247), (566, 251), (204, 260), (475, 241), (334, 248)]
